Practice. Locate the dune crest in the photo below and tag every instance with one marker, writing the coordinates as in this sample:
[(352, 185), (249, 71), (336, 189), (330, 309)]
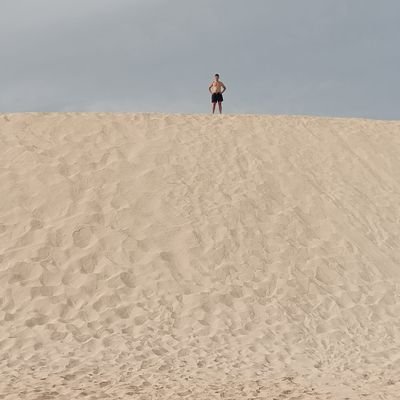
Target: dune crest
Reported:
[(155, 256)]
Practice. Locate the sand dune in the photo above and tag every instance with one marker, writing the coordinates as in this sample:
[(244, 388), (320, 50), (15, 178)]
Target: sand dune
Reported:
[(153, 256)]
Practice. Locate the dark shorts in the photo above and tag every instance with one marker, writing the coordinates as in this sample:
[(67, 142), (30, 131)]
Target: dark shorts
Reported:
[(216, 98)]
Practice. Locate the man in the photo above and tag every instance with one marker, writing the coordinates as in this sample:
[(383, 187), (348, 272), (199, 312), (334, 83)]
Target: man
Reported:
[(216, 89)]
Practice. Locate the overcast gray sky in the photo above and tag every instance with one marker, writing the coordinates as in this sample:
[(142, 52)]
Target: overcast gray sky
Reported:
[(318, 57)]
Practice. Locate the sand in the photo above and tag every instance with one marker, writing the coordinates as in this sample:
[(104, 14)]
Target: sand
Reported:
[(154, 256)]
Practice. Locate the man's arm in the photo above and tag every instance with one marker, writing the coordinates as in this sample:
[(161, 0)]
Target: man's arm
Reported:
[(209, 88), (223, 87)]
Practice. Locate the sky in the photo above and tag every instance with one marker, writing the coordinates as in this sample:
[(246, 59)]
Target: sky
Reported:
[(309, 57)]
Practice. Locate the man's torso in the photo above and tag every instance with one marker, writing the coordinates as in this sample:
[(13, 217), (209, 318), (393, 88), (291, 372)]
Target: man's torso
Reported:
[(216, 87)]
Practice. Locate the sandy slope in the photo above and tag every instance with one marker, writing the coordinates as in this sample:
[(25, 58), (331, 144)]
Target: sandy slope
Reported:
[(152, 256)]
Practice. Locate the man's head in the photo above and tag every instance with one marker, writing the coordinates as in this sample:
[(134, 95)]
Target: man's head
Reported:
[(216, 76)]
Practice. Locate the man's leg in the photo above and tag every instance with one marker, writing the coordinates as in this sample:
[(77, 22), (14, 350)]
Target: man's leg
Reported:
[(213, 107), (220, 107)]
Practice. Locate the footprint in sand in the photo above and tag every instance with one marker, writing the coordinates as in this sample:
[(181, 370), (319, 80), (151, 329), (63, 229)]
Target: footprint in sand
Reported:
[(36, 224), (128, 279), (82, 236), (88, 263)]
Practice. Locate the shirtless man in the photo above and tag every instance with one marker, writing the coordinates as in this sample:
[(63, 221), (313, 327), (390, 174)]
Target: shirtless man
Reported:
[(216, 89)]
